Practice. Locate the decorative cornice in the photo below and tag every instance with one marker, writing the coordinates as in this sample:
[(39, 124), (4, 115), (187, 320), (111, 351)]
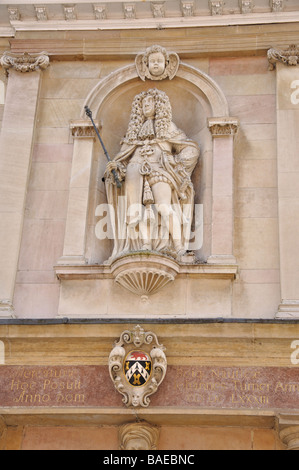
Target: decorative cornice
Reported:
[(216, 7), (187, 8), (277, 5), (289, 56), (158, 9), (41, 13), (24, 62), (112, 12), (246, 6)]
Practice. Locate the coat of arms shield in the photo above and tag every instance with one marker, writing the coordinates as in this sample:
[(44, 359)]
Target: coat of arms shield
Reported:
[(135, 372), (138, 368)]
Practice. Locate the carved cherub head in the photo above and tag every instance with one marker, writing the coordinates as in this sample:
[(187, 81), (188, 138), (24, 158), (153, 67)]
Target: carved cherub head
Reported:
[(156, 63), (138, 436)]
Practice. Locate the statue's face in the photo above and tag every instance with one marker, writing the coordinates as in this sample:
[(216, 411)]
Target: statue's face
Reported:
[(156, 64), (148, 106)]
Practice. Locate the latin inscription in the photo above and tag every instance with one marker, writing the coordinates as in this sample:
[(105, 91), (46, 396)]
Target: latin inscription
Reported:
[(233, 387), (184, 386), (53, 385)]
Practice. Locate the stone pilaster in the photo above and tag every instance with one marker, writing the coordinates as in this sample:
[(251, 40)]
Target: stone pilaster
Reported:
[(76, 222), (223, 131), (16, 140), (286, 65)]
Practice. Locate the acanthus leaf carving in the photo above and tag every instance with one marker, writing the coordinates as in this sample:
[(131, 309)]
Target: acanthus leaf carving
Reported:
[(25, 62), (289, 56)]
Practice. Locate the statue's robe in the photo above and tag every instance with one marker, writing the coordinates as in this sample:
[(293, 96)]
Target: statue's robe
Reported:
[(177, 167)]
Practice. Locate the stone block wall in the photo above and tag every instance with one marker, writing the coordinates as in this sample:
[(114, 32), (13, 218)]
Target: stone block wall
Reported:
[(250, 90)]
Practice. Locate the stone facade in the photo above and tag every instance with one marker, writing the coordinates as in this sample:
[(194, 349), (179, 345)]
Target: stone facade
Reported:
[(227, 306)]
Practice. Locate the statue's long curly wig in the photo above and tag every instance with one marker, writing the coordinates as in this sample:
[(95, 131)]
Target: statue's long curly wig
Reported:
[(163, 116)]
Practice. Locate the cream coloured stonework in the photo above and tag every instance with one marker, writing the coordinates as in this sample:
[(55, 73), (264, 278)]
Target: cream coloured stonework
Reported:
[(16, 147), (288, 169)]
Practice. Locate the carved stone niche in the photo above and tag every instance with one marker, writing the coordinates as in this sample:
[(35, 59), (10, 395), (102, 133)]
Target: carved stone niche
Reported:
[(137, 366), (200, 117)]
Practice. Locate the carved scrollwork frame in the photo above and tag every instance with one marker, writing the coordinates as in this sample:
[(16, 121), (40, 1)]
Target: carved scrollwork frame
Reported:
[(128, 342)]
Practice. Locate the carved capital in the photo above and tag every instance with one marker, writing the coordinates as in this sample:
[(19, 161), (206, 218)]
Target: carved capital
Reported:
[(83, 129), (138, 436), (6, 309), (24, 62), (220, 127), (290, 437), (288, 430), (288, 57)]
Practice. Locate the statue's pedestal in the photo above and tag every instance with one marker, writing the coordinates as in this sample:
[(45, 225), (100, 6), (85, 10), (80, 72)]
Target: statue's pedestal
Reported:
[(144, 273), (146, 285)]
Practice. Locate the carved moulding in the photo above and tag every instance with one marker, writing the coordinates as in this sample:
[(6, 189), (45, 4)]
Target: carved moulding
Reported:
[(288, 57), (24, 62), (137, 366)]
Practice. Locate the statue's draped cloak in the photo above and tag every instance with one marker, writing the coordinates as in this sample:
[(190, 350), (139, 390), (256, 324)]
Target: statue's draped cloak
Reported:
[(178, 171)]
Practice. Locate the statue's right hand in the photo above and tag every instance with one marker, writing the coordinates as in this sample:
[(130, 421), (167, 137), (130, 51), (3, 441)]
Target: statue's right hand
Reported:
[(111, 166)]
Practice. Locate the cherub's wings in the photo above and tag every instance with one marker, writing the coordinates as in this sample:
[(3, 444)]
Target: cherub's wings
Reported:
[(140, 66), (174, 63)]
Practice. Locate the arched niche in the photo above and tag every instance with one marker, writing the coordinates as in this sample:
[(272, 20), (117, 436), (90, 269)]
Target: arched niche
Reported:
[(199, 106)]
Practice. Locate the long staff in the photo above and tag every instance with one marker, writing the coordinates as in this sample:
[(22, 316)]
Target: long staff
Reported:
[(89, 114)]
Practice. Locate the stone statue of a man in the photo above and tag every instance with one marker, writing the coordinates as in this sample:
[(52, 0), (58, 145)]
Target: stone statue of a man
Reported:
[(155, 164)]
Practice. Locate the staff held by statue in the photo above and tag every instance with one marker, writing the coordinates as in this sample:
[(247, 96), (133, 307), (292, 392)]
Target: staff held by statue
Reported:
[(89, 114)]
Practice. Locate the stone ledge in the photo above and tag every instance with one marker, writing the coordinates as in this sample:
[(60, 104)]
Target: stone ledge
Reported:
[(115, 416), (187, 42), (205, 271)]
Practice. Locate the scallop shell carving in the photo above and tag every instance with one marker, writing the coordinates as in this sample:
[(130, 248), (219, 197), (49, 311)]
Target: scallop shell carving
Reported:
[(144, 282)]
